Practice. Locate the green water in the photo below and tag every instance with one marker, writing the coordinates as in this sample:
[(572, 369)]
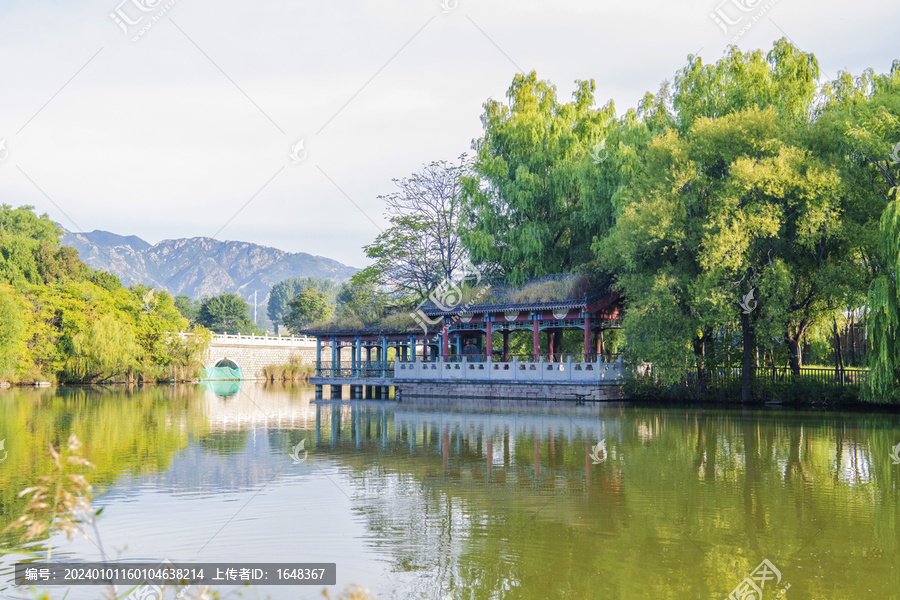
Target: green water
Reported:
[(469, 500)]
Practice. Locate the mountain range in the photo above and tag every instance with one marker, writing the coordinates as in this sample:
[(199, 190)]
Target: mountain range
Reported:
[(200, 266)]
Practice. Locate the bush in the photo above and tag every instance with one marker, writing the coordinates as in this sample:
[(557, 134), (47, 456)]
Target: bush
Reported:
[(799, 391)]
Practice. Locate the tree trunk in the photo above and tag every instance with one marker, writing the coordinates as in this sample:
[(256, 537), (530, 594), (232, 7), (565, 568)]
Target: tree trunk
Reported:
[(748, 365), (700, 358), (794, 358), (794, 339), (838, 355)]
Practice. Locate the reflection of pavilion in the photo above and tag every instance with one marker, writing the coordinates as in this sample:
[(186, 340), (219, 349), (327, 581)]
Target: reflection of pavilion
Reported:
[(467, 350)]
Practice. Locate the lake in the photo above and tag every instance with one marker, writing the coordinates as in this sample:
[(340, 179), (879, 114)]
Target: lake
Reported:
[(469, 500)]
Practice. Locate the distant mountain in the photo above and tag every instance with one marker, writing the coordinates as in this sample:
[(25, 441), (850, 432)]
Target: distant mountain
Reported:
[(200, 266)]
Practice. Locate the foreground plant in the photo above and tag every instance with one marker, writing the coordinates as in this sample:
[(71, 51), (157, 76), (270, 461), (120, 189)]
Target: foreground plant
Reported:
[(61, 500), (352, 592)]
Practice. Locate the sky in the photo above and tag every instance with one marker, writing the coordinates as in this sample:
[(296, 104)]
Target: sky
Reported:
[(281, 122)]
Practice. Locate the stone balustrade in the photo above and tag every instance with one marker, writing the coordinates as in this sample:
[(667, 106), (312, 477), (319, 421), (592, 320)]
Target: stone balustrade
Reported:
[(568, 371), (263, 340)]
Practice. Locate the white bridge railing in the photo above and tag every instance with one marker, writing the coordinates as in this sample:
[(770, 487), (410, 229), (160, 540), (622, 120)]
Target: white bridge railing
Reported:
[(260, 340), (489, 370)]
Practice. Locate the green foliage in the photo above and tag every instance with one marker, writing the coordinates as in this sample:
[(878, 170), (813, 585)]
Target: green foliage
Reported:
[(860, 129), (105, 348), (64, 321), (226, 312), (29, 248), (309, 306), (732, 198), (530, 208), (361, 300), (189, 309), (13, 331), (284, 291), (785, 80)]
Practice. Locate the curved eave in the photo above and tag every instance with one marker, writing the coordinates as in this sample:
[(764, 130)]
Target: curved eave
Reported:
[(364, 332)]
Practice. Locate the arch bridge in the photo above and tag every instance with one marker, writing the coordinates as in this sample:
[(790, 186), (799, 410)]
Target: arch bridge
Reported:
[(253, 353)]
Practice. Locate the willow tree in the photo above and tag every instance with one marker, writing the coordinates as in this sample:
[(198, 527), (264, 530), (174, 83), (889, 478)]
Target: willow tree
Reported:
[(864, 113), (525, 202), (721, 224), (731, 219), (13, 331)]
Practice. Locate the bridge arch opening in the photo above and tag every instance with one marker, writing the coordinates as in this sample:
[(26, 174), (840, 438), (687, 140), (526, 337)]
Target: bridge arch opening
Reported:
[(224, 370), (227, 363)]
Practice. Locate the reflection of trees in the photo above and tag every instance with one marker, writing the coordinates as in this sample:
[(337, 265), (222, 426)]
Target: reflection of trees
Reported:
[(687, 502), (454, 503), (123, 429), (224, 443)]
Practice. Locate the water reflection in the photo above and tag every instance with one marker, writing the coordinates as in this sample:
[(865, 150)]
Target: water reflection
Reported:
[(478, 500)]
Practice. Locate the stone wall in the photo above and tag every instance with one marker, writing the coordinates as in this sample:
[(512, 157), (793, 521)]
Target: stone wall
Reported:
[(252, 359)]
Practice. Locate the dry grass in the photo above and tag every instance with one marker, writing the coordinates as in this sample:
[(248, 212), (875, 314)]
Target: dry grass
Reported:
[(60, 500), (565, 288), (295, 370)]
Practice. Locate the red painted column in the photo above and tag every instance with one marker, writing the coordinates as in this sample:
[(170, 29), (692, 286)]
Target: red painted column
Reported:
[(587, 336), (445, 340), (489, 342), (537, 339)]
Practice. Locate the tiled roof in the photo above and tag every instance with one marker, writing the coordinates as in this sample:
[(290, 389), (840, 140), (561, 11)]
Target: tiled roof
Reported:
[(430, 309), (365, 331)]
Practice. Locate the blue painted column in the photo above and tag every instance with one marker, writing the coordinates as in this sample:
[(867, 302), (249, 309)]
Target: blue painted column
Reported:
[(412, 348), (384, 348), (335, 357), (357, 351), (318, 356)]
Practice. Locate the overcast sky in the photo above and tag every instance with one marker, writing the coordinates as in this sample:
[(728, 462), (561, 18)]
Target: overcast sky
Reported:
[(187, 129)]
